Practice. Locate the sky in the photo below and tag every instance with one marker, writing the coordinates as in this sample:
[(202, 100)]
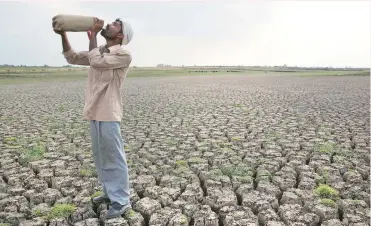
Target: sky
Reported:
[(295, 33)]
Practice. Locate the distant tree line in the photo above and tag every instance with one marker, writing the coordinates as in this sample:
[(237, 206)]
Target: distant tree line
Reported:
[(21, 65), (207, 66)]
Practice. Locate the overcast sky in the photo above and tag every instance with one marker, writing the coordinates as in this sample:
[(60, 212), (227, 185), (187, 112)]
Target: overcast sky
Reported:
[(312, 33)]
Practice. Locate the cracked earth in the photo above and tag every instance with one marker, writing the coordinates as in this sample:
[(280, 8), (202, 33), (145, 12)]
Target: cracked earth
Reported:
[(202, 151)]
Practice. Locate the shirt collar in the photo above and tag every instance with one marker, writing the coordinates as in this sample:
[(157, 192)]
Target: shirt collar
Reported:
[(114, 48)]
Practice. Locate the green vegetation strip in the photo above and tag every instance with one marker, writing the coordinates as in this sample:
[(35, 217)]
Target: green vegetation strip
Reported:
[(19, 75)]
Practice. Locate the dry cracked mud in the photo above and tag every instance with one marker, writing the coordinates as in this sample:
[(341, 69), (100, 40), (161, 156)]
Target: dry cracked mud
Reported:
[(202, 151)]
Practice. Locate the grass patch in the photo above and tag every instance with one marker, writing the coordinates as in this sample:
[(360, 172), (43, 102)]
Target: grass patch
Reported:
[(195, 160), (181, 163), (324, 177), (9, 139), (273, 135), (240, 171), (34, 154), (328, 202), (40, 213), (88, 171), (57, 211), (96, 194), (226, 149), (326, 192), (130, 213), (4, 224), (183, 220), (172, 142), (6, 118), (61, 107), (61, 211), (245, 179), (182, 170), (238, 105), (264, 176), (326, 148), (215, 173)]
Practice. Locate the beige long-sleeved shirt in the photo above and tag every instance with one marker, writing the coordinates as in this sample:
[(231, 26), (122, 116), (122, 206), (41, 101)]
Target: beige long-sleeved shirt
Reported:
[(106, 74)]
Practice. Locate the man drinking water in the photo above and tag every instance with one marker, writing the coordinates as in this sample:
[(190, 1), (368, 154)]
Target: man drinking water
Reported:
[(103, 107)]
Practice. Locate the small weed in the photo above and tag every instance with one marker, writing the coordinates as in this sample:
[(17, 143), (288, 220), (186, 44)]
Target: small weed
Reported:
[(40, 212), (344, 154), (58, 211), (57, 125), (261, 161), (33, 154), (130, 213), (273, 136), (228, 170), (183, 220), (328, 202), (171, 142), (7, 118), (87, 171), (238, 105), (96, 194), (327, 148), (61, 211), (240, 171), (325, 191), (325, 176), (215, 173), (264, 175), (181, 163), (227, 150), (129, 162), (62, 107), (195, 160), (127, 148), (182, 170), (245, 179), (9, 139)]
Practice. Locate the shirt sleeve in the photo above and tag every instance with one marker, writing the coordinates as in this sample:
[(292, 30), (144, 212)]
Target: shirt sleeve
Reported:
[(108, 60), (77, 58)]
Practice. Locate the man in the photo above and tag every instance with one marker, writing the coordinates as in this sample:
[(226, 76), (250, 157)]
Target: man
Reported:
[(109, 65)]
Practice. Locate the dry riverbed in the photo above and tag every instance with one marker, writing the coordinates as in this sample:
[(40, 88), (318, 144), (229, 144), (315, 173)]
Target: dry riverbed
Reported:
[(202, 151)]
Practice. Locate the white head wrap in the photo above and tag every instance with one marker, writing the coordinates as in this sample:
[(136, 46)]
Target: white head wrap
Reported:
[(128, 32)]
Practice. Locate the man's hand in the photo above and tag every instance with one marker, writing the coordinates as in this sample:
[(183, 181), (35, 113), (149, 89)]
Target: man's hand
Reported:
[(92, 33), (98, 25), (58, 32)]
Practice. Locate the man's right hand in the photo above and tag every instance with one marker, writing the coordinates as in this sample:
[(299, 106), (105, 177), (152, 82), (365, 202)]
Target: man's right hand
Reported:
[(98, 25), (58, 32)]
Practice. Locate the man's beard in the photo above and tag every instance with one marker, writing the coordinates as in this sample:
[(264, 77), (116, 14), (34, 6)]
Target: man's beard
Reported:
[(104, 34)]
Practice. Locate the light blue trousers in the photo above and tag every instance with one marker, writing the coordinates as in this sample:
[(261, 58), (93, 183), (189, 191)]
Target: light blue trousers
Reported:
[(110, 160)]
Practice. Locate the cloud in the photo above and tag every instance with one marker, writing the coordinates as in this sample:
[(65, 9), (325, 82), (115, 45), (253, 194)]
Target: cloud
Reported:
[(300, 33)]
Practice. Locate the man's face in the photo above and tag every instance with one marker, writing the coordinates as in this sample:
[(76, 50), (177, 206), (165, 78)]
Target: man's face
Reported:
[(112, 31)]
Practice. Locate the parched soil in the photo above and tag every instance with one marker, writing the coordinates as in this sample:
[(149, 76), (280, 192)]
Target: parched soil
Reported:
[(202, 151)]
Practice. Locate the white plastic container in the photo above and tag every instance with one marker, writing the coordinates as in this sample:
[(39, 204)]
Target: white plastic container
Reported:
[(74, 23)]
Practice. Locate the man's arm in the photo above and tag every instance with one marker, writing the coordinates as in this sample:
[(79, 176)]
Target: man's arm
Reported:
[(79, 58), (65, 43), (93, 41), (92, 34), (108, 60)]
